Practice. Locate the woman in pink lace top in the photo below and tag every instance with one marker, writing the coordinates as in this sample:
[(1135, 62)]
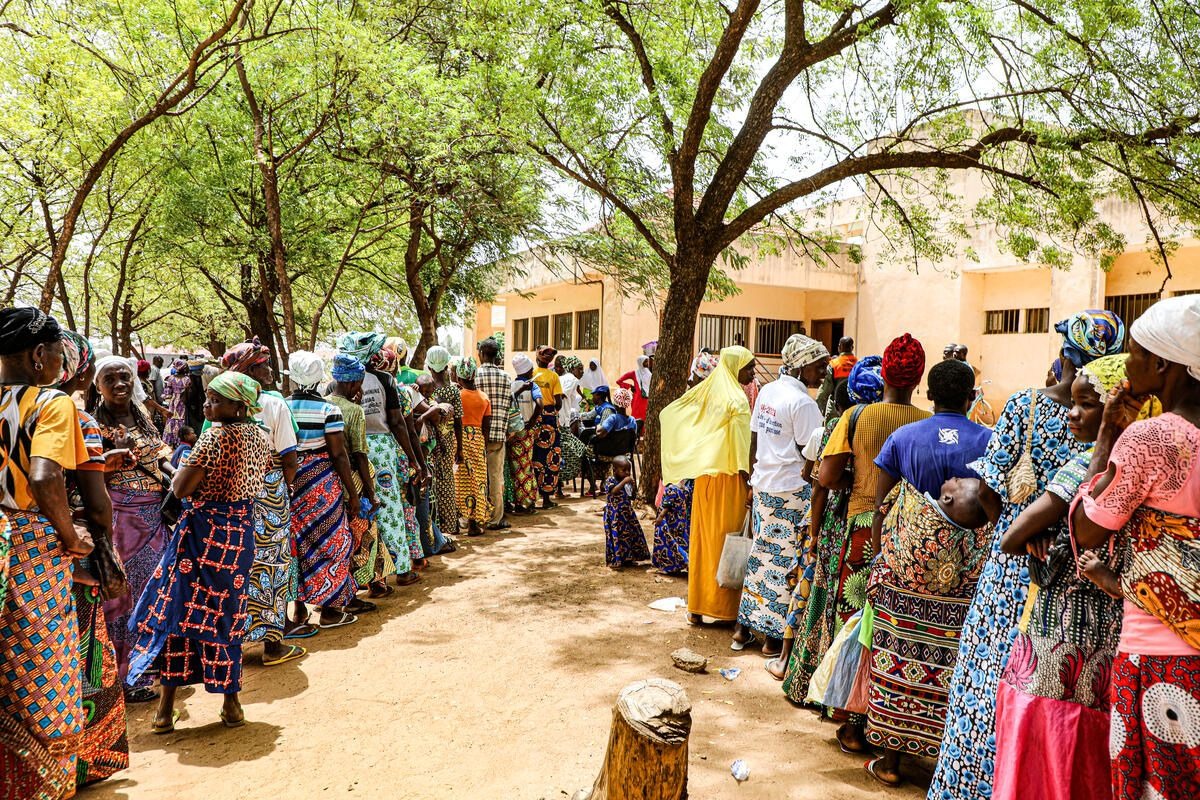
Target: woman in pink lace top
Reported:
[(1145, 484)]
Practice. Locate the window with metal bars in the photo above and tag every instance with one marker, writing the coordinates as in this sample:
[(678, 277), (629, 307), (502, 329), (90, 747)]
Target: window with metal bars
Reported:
[(1037, 320), (1005, 320), (520, 335), (717, 331), (562, 331), (1130, 306), (541, 332), (587, 330), (771, 334)]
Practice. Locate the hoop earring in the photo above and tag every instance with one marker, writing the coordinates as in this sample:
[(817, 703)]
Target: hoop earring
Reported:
[(37, 366)]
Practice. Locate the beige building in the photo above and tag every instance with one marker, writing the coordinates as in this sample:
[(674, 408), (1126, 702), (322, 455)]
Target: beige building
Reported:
[(1002, 309)]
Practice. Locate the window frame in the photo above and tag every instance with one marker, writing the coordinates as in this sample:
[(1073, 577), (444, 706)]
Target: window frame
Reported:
[(581, 326)]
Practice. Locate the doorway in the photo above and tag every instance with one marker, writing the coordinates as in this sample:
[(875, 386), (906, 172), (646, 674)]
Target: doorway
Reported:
[(829, 332)]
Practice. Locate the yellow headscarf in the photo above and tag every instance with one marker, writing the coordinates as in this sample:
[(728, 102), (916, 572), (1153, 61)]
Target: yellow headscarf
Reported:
[(707, 431)]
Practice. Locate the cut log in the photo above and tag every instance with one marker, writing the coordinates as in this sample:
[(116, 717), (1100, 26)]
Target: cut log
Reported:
[(647, 756)]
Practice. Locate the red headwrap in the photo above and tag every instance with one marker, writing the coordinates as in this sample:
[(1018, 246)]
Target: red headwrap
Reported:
[(242, 357), (143, 367), (903, 362)]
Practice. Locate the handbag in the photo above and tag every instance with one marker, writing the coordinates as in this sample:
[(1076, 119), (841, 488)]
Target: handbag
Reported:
[(171, 507), (1022, 480), (105, 565), (731, 571)]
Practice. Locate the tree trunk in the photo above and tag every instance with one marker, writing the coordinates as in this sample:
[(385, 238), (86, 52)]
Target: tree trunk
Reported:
[(647, 756), (427, 340), (672, 363)]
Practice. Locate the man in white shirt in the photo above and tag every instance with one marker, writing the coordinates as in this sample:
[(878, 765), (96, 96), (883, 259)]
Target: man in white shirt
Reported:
[(783, 419)]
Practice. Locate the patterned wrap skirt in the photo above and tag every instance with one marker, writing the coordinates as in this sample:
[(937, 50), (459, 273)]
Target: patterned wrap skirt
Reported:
[(776, 559), (1154, 741), (573, 451), (470, 480), (445, 492), (267, 593), (547, 453), (41, 703), (192, 616), (624, 542), (139, 536), (322, 531), (390, 479), (520, 457), (672, 531), (103, 747)]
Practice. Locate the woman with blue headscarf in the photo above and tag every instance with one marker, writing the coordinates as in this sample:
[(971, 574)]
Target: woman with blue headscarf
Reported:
[(1030, 442)]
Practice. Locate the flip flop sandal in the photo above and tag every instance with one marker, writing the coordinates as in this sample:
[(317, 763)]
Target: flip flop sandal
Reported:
[(304, 631), (142, 694), (346, 619), (408, 581), (870, 768), (739, 646), (234, 724), (376, 591), (160, 730), (500, 526), (447, 548), (361, 607), (292, 654), (768, 665)]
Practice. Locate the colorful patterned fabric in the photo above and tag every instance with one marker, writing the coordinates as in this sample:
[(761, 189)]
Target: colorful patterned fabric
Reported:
[(242, 357), (672, 531), (103, 747), (441, 461), (1162, 575), (865, 383), (573, 451), (37, 421), (175, 391), (1091, 334), (193, 611), (139, 537), (323, 538), (777, 556), (39, 654), (266, 594), (471, 479), (965, 768), (234, 457), (520, 455), (5, 550), (624, 543), (903, 362), (238, 387), (390, 480), (547, 453), (1155, 736)]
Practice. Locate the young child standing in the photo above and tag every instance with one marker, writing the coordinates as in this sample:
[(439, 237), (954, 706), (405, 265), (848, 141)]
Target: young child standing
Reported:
[(187, 440), (672, 529), (623, 539)]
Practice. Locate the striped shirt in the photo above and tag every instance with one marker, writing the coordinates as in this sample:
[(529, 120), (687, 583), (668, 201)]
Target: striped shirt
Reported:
[(315, 418)]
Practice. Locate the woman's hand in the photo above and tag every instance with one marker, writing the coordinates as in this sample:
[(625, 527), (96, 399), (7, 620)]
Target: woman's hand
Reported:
[(122, 440), (1039, 547), (77, 542), (1121, 407), (119, 459)]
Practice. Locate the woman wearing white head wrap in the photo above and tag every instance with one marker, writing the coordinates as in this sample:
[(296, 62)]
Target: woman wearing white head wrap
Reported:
[(306, 369), (437, 359), (1146, 485), (593, 376)]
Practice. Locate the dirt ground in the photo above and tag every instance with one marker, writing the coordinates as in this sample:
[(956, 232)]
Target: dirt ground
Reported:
[(493, 678)]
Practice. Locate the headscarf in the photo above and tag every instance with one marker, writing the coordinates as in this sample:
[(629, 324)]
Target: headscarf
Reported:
[(703, 365), (707, 430), (240, 387), (570, 363), (604, 390), (178, 366), (347, 368), (361, 344), (1107, 372), (112, 362), (23, 329), (306, 369), (384, 361), (438, 358), (865, 383), (1056, 368), (622, 398), (78, 355), (650, 348), (903, 362), (467, 367), (1091, 334), (643, 374), (143, 367), (547, 351), (399, 348), (593, 376), (799, 351), (1170, 329), (522, 363), (244, 356)]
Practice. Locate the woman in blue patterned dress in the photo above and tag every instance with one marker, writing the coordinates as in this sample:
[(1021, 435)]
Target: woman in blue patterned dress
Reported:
[(672, 528), (965, 768)]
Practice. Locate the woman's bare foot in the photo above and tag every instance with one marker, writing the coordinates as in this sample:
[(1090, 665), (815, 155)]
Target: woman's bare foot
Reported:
[(851, 739), (231, 712), (777, 668)]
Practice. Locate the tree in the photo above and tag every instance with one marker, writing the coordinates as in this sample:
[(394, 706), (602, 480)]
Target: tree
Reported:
[(720, 117)]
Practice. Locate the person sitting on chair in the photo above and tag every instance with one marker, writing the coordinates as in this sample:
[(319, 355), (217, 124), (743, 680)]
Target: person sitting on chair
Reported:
[(619, 421)]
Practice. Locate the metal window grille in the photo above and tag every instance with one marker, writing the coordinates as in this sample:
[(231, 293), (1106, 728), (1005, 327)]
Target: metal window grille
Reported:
[(562, 331), (541, 332), (1006, 320), (1037, 320), (717, 331), (771, 334), (1130, 306), (587, 330), (520, 335)]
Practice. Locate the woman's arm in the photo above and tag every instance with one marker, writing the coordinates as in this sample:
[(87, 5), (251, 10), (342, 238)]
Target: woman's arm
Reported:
[(363, 466), (884, 483), (627, 381), (291, 465), (1025, 532), (47, 484), (187, 480), (336, 442), (833, 474), (820, 499)]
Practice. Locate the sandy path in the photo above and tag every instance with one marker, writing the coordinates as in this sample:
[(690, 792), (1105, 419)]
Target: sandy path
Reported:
[(493, 678)]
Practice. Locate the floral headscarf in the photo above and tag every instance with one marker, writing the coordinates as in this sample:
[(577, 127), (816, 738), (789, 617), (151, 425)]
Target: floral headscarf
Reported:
[(238, 386), (466, 368), (78, 355), (347, 369), (622, 398), (703, 365), (362, 344), (865, 383), (1091, 334), (246, 355)]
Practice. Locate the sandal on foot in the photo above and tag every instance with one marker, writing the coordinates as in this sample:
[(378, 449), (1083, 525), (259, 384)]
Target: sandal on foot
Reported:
[(870, 768), (377, 589), (159, 730), (293, 652), (408, 579), (344, 619), (360, 607), (447, 548), (304, 631), (772, 662), (237, 723), (143, 694), (503, 525), (739, 646)]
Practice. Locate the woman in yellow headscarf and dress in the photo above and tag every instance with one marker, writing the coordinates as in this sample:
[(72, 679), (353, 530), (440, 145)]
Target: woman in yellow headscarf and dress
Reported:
[(706, 437)]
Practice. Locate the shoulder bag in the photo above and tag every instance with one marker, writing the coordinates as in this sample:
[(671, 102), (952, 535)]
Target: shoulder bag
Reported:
[(731, 571), (1022, 480)]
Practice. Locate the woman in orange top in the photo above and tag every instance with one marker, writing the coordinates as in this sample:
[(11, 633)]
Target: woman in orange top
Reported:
[(471, 478)]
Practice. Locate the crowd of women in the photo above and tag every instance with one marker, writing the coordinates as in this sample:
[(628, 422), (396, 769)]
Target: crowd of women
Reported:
[(1021, 604)]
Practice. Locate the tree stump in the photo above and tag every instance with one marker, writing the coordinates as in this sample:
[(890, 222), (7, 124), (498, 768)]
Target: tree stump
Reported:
[(647, 756)]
